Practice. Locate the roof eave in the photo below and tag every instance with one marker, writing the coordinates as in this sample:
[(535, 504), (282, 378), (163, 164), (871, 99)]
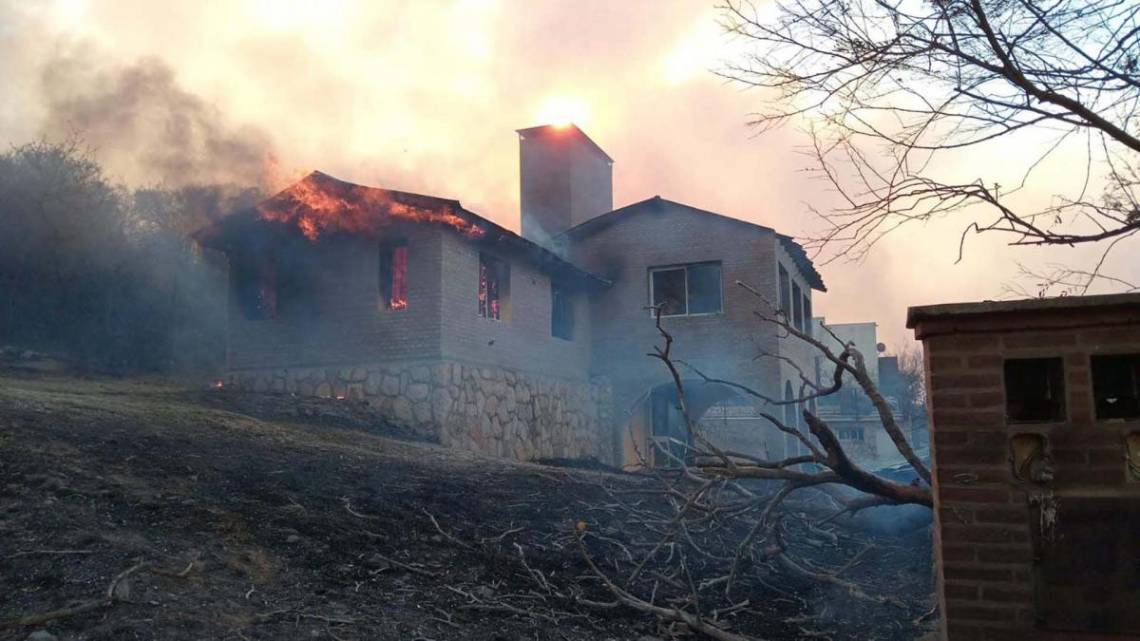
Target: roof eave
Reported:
[(815, 280), (539, 255), (1055, 304), (807, 267)]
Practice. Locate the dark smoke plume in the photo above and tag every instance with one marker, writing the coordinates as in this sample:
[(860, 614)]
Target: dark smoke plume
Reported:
[(146, 128)]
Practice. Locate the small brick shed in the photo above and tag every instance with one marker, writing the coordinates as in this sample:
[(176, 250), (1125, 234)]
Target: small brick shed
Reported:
[(1035, 441)]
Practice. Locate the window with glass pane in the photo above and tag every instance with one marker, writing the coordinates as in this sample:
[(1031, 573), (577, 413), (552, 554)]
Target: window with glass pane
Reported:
[(807, 314), (669, 291), (797, 307), (561, 313), (785, 292), (686, 289), (704, 288)]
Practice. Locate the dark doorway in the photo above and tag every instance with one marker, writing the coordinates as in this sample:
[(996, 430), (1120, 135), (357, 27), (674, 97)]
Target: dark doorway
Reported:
[(1088, 571), (670, 434)]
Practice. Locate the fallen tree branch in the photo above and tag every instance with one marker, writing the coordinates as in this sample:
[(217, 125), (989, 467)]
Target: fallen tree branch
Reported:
[(463, 544), (106, 600), (404, 566), (45, 553), (668, 614), (348, 508)]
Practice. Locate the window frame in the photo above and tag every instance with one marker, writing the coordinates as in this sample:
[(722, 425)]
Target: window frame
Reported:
[(387, 252), (784, 295), (559, 292), (1133, 360), (1060, 398), (792, 445), (808, 324), (685, 268), (254, 276), (797, 306), (502, 270)]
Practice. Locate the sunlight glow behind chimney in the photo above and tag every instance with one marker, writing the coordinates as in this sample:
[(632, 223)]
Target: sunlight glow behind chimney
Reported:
[(562, 111)]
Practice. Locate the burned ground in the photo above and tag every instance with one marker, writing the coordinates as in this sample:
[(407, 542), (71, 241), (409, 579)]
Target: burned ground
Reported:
[(295, 525)]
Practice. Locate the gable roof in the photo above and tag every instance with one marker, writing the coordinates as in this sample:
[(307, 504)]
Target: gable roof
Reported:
[(321, 205), (657, 204)]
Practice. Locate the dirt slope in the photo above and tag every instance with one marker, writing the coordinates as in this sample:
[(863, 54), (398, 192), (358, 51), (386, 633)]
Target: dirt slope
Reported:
[(301, 529)]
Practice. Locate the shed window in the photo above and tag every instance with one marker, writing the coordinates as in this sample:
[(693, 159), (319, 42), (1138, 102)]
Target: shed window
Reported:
[(561, 313), (394, 275), (1116, 386), (686, 289), (1034, 390), (494, 287)]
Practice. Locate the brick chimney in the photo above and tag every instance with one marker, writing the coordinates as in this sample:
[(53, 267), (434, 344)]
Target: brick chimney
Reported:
[(565, 179)]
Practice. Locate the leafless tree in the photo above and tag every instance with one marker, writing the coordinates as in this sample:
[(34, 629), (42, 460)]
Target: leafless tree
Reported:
[(729, 513), (892, 90), (1059, 279)]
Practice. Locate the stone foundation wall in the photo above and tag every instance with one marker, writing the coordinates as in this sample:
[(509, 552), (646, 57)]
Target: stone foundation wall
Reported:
[(491, 410)]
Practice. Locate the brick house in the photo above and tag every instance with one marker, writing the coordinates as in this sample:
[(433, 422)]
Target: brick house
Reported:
[(527, 346), (1035, 438)]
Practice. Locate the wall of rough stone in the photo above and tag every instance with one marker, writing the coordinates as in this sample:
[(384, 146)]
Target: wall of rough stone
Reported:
[(495, 411)]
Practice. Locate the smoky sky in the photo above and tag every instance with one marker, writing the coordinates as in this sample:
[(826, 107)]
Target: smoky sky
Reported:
[(141, 122), (426, 97)]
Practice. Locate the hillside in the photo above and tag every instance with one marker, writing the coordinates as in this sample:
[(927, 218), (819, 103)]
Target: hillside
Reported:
[(264, 520)]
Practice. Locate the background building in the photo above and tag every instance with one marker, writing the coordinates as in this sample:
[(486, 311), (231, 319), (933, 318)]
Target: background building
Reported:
[(850, 412)]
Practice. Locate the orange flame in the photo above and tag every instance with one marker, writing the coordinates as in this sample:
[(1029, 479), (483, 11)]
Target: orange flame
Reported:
[(320, 204)]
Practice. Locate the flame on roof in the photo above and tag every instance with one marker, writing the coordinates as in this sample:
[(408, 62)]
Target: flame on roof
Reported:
[(319, 204)]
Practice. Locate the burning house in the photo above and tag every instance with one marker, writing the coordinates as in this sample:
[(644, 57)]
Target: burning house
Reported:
[(525, 346), (1035, 435)]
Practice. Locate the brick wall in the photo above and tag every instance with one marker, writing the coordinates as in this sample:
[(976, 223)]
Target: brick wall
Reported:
[(347, 324), (505, 387), (612, 329), (564, 180), (992, 530), (343, 321), (522, 340), (722, 344)]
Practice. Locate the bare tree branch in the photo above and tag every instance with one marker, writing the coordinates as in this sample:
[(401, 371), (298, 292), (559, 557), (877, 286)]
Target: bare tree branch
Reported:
[(891, 90)]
